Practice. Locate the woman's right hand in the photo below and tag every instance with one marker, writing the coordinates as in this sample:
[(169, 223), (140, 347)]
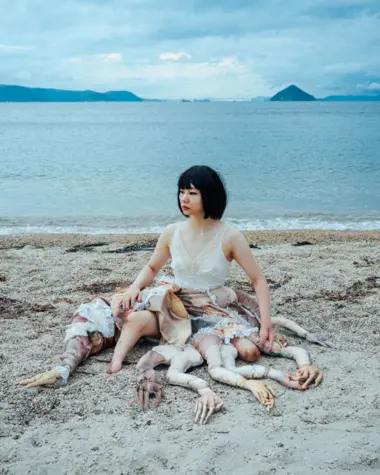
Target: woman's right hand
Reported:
[(129, 298)]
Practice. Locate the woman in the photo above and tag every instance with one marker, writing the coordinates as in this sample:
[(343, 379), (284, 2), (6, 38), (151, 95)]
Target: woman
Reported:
[(202, 249), (194, 304)]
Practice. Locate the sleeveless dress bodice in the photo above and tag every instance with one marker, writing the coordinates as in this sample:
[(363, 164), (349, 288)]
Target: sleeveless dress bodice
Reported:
[(205, 271)]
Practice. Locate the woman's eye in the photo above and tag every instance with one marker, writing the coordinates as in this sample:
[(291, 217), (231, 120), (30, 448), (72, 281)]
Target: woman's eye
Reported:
[(193, 193)]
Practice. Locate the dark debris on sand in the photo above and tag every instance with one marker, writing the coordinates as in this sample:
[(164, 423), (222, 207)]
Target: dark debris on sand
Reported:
[(97, 288), (11, 308), (359, 289), (273, 284), (302, 243), (138, 246), (86, 247)]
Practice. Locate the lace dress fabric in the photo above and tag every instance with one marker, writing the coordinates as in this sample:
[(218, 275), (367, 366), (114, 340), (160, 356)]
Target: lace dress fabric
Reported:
[(206, 271)]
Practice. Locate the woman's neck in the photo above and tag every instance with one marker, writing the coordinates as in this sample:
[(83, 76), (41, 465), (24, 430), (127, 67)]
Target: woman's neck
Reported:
[(201, 225)]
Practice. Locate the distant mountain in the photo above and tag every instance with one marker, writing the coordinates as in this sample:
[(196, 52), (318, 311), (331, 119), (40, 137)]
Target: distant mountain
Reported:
[(292, 93), (34, 94), (351, 98)]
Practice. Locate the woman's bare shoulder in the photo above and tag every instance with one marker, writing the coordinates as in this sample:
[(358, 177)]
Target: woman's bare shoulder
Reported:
[(233, 234), (234, 239), (167, 233)]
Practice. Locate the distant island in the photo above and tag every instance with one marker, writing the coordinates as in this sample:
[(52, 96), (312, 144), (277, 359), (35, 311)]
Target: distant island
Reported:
[(292, 93), (36, 94), (351, 98)]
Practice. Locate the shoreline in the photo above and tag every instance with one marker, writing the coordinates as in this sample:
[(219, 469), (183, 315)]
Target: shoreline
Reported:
[(254, 238)]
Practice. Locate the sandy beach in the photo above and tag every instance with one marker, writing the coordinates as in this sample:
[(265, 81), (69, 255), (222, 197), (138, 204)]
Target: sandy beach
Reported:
[(328, 283)]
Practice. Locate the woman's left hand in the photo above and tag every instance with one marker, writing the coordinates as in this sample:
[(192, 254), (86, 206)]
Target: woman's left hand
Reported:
[(266, 335)]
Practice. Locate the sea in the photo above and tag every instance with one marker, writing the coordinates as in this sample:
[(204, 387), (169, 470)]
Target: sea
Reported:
[(113, 167)]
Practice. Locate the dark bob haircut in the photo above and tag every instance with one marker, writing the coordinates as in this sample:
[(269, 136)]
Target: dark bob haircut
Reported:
[(211, 187)]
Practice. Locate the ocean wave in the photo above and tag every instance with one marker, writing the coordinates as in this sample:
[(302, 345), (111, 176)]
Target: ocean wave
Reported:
[(11, 226)]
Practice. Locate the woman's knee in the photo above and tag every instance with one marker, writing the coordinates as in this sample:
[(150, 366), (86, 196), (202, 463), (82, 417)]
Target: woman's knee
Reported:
[(247, 350), (251, 355), (140, 319)]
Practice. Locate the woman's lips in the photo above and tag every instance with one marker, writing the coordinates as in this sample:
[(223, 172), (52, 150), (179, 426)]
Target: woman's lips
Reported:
[(185, 208)]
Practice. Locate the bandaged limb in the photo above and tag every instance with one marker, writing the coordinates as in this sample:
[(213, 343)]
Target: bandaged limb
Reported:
[(256, 371), (76, 351), (179, 359), (82, 340), (218, 356), (293, 327)]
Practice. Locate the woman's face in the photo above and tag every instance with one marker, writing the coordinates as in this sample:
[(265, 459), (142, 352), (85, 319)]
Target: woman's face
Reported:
[(191, 201)]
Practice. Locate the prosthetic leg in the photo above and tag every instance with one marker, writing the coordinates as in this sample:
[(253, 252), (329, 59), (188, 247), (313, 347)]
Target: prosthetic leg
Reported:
[(91, 330)]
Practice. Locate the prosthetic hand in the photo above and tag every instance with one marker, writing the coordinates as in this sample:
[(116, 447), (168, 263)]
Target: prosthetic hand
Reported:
[(309, 376), (56, 376), (207, 404), (262, 392), (146, 386)]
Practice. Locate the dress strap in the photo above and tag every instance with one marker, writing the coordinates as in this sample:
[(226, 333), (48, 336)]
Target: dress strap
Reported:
[(175, 236)]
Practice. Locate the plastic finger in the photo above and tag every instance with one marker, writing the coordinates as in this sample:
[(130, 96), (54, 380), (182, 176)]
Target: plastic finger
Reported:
[(319, 379), (258, 396), (309, 380), (198, 408), (146, 399), (158, 399), (140, 397), (271, 391), (40, 383), (28, 381), (204, 411), (210, 413)]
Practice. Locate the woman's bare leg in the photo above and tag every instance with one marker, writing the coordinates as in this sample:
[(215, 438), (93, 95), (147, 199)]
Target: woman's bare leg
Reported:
[(137, 325)]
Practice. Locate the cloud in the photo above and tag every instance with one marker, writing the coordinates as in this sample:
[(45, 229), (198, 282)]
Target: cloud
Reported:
[(112, 57), (174, 56), (369, 86), (170, 77), (13, 48), (373, 86), (172, 49)]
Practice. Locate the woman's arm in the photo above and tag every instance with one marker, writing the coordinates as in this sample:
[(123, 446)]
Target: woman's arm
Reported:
[(160, 256), (242, 254)]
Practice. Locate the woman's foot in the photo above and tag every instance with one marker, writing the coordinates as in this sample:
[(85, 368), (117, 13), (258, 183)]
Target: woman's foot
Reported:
[(114, 367)]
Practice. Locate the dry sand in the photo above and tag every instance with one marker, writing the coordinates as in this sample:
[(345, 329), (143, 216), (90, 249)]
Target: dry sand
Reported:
[(94, 425)]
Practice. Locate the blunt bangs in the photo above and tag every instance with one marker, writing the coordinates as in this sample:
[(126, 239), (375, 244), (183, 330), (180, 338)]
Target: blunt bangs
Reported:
[(211, 187)]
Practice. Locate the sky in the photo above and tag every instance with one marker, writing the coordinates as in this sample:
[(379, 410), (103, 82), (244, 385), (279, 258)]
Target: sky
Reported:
[(173, 49)]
